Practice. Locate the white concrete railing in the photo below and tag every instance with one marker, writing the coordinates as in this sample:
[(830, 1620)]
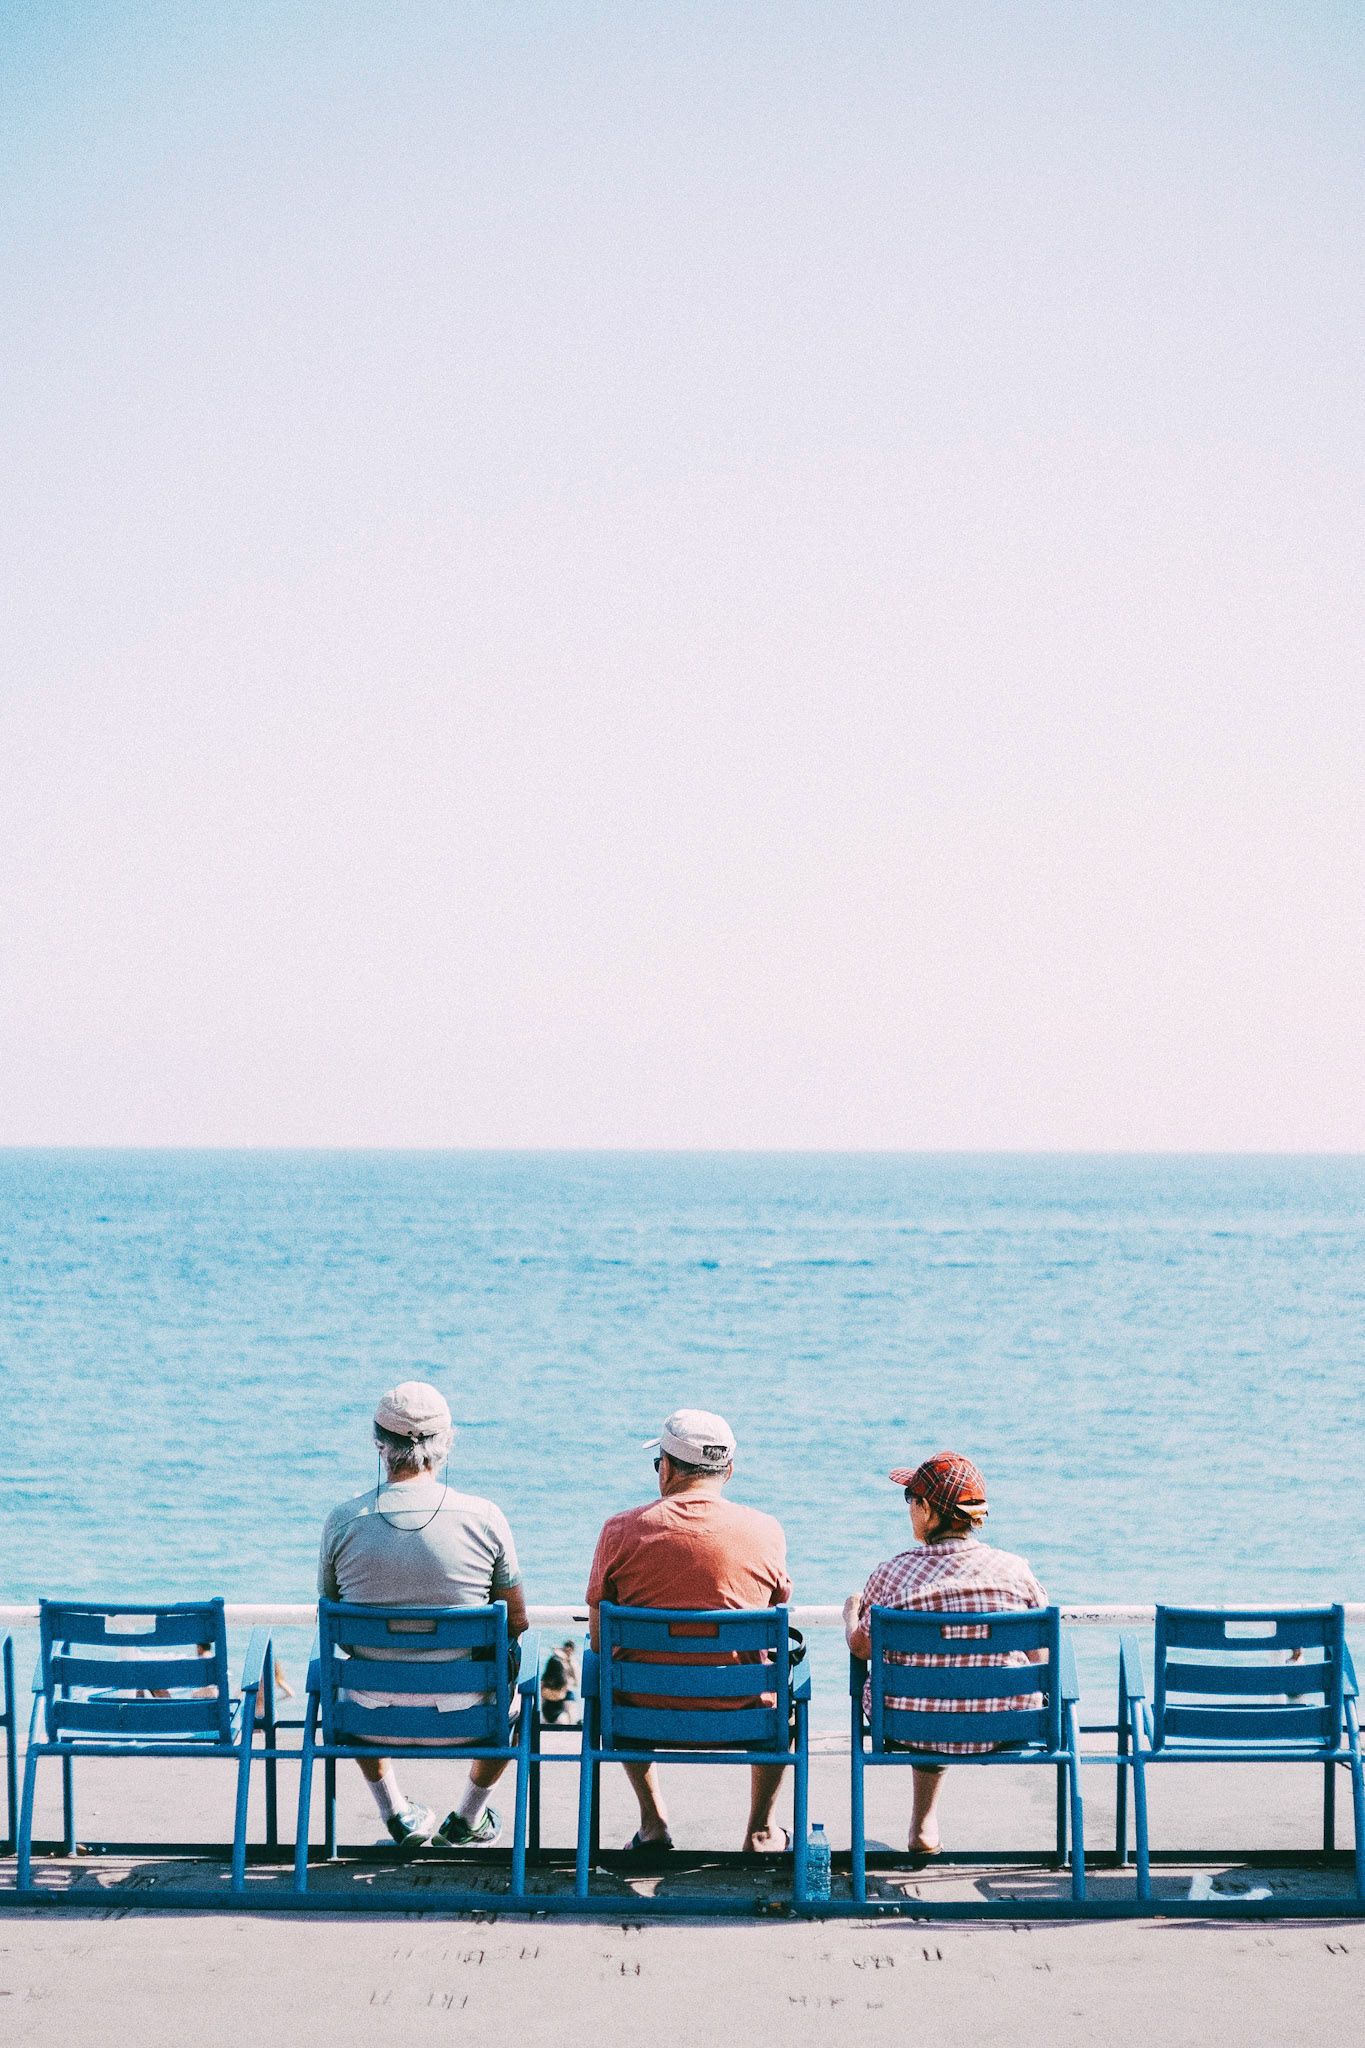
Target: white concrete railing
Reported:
[(302, 1615)]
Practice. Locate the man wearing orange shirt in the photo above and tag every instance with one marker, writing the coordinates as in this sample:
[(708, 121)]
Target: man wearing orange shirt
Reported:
[(693, 1548)]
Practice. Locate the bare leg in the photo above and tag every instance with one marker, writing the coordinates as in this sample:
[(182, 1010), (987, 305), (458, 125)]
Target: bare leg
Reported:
[(486, 1770), (644, 1779), (924, 1832), (765, 1784)]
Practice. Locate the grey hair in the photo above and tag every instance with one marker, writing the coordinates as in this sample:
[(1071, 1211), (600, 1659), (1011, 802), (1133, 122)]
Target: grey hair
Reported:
[(413, 1453)]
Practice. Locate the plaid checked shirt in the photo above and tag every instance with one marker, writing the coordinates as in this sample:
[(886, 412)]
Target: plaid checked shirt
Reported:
[(959, 1575)]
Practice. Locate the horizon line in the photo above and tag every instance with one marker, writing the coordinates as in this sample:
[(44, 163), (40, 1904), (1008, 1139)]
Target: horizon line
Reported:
[(696, 1151)]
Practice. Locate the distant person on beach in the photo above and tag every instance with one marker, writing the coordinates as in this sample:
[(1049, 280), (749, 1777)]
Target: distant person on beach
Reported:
[(692, 1548), (560, 1706), (412, 1541), (949, 1571)]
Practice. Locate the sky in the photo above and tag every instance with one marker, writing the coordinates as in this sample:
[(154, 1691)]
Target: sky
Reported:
[(739, 575)]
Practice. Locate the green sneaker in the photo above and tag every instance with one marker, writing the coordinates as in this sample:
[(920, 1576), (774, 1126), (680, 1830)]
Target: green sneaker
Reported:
[(458, 1834), (412, 1827)]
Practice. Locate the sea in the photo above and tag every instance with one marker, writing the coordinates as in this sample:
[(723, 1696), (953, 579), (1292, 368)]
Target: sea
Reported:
[(1158, 1362)]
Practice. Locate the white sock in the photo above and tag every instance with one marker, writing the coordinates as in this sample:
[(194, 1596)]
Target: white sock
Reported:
[(387, 1796), (470, 1808)]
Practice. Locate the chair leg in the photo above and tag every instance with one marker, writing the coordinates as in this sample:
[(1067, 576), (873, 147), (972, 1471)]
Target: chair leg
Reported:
[(534, 1821), (857, 1804), (1144, 1866), (68, 1807), (24, 1845), (243, 1808), (305, 1805), (272, 1796), (1329, 1807), (1121, 1782), (587, 1801), (800, 1809), (329, 1809), (1358, 1804), (11, 1749), (595, 1827), (1077, 1825), (523, 1768), (1062, 1789)]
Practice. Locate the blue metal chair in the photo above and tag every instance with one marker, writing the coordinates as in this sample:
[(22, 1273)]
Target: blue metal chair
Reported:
[(109, 1683), (1240, 1685), (1047, 1734), (617, 1729), (479, 1675)]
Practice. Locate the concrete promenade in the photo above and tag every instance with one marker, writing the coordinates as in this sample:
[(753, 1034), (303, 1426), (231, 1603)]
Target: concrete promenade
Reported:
[(221, 1983), (112, 1973), (103, 1970)]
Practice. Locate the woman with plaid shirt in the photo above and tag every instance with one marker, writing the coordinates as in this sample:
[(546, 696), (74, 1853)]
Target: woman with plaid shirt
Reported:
[(949, 1571)]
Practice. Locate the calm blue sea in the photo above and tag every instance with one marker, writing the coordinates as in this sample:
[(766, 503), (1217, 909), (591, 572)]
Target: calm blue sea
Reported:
[(1157, 1362)]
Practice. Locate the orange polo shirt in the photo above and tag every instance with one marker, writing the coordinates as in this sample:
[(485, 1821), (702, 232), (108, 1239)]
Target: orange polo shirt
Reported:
[(692, 1550)]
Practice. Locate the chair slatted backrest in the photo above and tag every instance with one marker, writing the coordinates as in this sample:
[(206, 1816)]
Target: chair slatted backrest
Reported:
[(734, 1663), (1231, 1675), (898, 1633), (135, 1674), (459, 1654)]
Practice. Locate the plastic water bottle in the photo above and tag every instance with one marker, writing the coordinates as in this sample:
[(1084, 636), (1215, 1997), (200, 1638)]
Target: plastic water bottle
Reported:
[(817, 1863)]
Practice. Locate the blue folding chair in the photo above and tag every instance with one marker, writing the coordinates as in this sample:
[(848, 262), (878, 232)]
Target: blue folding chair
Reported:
[(617, 1729), (130, 1681), (1240, 1685), (418, 1643), (891, 1734)]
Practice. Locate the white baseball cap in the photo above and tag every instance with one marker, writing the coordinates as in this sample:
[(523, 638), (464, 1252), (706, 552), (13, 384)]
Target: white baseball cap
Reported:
[(694, 1437), (413, 1409)]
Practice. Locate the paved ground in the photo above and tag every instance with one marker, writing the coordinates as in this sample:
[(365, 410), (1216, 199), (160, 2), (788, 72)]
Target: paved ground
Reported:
[(117, 1976), (219, 1983)]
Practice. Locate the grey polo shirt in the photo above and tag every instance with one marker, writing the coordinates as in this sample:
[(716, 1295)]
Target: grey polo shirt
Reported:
[(419, 1544)]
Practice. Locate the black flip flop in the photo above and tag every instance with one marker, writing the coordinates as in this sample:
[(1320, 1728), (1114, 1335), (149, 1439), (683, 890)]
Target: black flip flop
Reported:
[(649, 1855)]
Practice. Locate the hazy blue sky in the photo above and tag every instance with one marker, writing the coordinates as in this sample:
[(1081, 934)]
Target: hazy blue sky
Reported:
[(683, 574)]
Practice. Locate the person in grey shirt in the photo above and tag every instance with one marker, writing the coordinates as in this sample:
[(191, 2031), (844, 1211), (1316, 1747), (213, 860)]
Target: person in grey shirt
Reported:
[(413, 1541)]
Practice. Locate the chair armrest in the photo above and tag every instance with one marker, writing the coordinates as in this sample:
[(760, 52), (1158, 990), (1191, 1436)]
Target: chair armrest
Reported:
[(801, 1686), (1349, 1688), (1130, 1668), (258, 1652), (37, 1685), (857, 1675), (528, 1678), (1071, 1684), (588, 1679), (314, 1683)]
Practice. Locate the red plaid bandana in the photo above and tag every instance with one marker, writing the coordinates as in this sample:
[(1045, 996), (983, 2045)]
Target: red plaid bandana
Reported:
[(945, 1481)]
